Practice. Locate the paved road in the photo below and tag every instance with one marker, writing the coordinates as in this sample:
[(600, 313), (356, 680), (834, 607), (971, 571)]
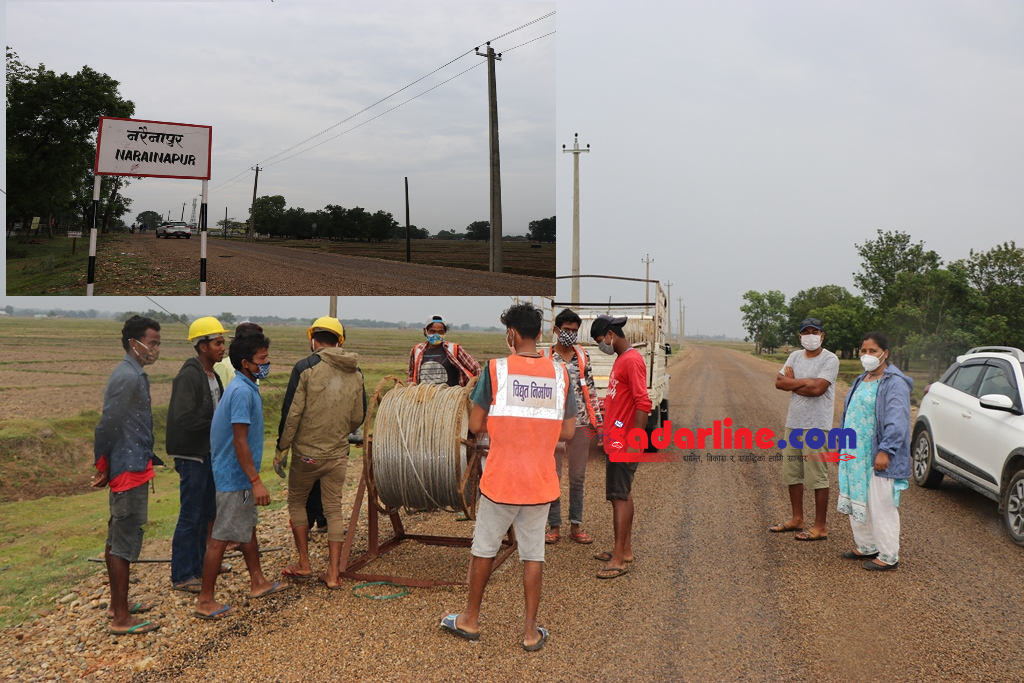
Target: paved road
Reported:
[(261, 269), (712, 596)]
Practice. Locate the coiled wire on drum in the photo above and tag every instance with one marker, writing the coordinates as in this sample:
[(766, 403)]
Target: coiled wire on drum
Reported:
[(420, 447)]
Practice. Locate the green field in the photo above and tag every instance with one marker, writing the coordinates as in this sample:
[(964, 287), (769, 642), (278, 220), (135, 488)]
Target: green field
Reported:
[(53, 372)]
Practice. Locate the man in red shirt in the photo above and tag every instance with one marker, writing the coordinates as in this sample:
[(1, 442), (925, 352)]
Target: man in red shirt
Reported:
[(123, 446), (626, 405)]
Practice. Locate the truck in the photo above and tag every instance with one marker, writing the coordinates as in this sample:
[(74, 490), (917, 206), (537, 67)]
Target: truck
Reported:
[(645, 329)]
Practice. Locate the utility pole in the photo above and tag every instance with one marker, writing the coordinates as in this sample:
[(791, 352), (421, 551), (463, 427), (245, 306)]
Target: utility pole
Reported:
[(668, 310), (492, 103), (408, 238), (225, 233), (183, 211), (647, 285), (682, 323), (252, 217), (333, 311), (575, 152)]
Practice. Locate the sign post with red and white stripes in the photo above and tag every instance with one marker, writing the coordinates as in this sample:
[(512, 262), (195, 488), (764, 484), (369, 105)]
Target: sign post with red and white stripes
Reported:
[(151, 149)]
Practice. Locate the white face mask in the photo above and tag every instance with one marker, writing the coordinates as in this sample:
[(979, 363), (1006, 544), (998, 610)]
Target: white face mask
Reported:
[(606, 347), (811, 342), (870, 362)]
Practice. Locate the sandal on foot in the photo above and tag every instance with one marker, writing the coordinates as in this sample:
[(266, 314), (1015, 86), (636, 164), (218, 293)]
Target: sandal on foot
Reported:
[(875, 567), (138, 629), (582, 537), (190, 586), (854, 555), (292, 574), (606, 556), (276, 588), (216, 615), (138, 608), (448, 624), (323, 580), (782, 528), (552, 537), (810, 536), (612, 572), (540, 643)]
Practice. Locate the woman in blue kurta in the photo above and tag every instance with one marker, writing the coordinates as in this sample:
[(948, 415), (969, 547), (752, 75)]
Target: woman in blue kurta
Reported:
[(878, 408)]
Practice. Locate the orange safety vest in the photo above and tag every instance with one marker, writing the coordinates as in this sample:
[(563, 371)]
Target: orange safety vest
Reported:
[(581, 355), (451, 348), (524, 421)]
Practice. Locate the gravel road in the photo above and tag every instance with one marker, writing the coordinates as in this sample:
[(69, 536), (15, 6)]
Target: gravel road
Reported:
[(262, 269), (711, 596)]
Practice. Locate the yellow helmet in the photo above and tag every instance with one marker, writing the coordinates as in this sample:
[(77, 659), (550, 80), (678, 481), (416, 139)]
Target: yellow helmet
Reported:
[(327, 324), (205, 327)]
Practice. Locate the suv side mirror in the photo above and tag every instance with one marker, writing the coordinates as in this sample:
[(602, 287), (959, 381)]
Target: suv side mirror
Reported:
[(998, 402)]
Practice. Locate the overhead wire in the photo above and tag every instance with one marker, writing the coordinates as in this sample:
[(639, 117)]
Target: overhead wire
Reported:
[(225, 184)]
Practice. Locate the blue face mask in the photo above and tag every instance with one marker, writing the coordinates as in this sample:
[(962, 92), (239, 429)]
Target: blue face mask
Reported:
[(435, 339), (264, 370)]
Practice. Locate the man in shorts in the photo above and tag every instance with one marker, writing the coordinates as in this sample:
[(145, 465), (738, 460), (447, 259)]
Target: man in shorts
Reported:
[(324, 403), (123, 447), (525, 404), (236, 443), (810, 374), (626, 405)]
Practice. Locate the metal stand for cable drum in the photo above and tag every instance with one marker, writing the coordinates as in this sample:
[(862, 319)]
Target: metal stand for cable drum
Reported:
[(375, 507)]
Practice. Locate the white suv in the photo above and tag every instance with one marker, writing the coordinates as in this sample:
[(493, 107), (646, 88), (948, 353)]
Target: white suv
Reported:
[(971, 427)]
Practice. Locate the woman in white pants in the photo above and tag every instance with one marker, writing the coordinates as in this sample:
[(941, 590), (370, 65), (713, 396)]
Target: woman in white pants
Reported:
[(878, 409)]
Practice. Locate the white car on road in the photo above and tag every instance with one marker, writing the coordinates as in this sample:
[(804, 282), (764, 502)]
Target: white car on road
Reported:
[(971, 428), (174, 229)]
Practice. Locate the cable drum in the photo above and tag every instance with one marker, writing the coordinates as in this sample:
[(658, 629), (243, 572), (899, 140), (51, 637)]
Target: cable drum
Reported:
[(420, 448)]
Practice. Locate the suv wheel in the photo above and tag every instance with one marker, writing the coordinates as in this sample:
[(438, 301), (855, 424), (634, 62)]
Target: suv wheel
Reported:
[(1013, 502), (925, 473)]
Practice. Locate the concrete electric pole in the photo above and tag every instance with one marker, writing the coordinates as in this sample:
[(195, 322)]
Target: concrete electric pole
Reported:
[(647, 285), (492, 105), (575, 152), (252, 217), (668, 310)]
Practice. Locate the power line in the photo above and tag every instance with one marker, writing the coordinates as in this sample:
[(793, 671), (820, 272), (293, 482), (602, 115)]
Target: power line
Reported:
[(173, 315), (299, 144)]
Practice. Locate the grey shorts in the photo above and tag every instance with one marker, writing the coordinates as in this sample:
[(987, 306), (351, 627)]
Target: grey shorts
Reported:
[(618, 479), (494, 519), (129, 512), (236, 516)]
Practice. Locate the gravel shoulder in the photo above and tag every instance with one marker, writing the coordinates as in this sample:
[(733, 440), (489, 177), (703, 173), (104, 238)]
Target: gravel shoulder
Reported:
[(711, 596)]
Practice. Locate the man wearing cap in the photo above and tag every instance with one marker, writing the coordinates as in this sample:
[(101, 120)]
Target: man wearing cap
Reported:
[(810, 374), (194, 395), (324, 403), (626, 405), (437, 361)]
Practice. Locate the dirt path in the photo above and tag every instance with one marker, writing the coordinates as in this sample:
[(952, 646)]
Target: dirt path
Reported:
[(711, 596), (261, 269)]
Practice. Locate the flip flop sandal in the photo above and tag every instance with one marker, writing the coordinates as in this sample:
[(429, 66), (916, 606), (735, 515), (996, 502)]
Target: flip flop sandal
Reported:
[(612, 573), (448, 624), (582, 538), (323, 580), (190, 586), (217, 615), (774, 528), (852, 555), (137, 608), (606, 556), (138, 629), (292, 574), (540, 643), (551, 538), (807, 537), (278, 587)]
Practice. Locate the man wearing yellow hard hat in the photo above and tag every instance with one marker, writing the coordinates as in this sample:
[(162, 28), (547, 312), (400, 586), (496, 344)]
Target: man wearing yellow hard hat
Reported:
[(194, 395), (324, 403)]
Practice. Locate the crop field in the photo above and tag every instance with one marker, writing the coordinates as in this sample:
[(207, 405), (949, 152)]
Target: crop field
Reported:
[(52, 376)]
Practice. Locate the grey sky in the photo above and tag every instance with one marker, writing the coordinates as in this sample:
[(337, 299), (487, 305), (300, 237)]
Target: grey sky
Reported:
[(268, 75), (750, 145)]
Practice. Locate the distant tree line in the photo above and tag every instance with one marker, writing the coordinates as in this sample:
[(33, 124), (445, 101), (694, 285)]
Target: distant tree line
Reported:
[(931, 311), (52, 121)]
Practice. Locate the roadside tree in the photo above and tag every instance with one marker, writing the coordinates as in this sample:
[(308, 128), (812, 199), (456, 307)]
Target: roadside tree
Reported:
[(542, 230), (478, 230), (763, 317)]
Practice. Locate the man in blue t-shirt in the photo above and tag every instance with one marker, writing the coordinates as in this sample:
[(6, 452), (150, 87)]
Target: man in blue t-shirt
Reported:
[(236, 445)]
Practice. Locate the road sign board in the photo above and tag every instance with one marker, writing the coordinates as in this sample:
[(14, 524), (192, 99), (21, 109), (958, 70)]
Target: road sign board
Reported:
[(136, 147)]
